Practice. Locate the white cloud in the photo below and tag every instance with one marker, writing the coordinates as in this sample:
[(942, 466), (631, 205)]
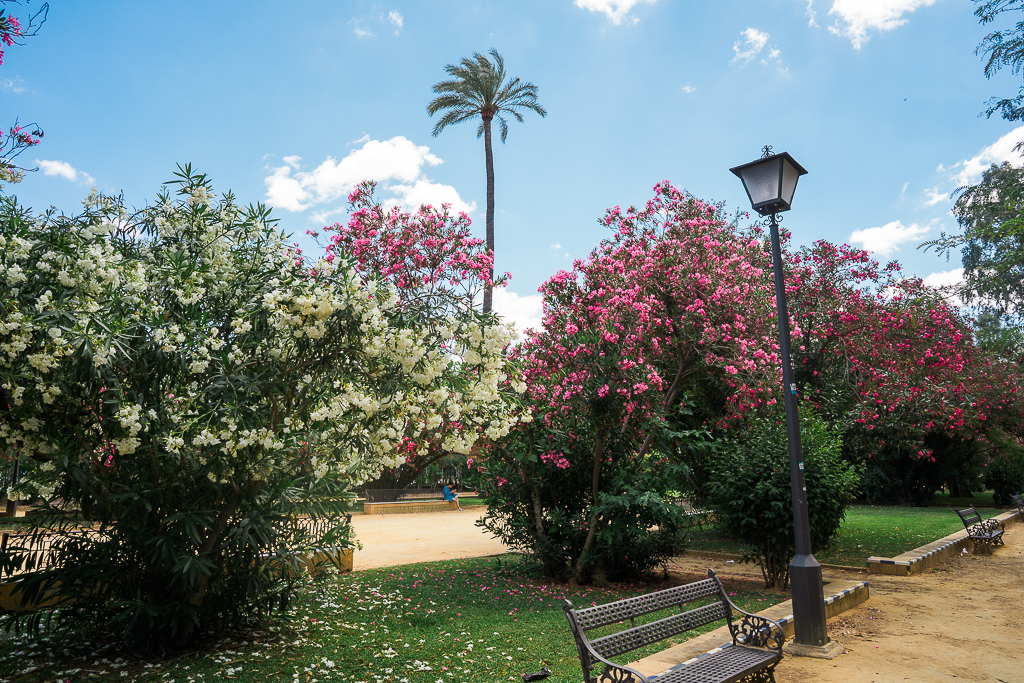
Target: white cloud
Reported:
[(524, 311), (903, 192), (425, 191), (64, 170), (934, 196), (999, 151), (752, 43), (324, 217), (886, 239), (396, 164), (811, 14), (944, 279), (367, 26), (556, 246), (614, 9), (689, 89), (856, 18), (14, 85)]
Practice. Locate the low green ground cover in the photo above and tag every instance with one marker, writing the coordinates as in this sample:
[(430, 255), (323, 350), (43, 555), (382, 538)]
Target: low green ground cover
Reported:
[(868, 530), (473, 620)]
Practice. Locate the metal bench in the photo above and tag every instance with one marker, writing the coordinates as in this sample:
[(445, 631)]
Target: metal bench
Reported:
[(1018, 500), (984, 533), (694, 515), (755, 649)]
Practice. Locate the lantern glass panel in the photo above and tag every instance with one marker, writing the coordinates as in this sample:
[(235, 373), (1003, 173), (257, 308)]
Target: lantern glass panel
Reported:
[(762, 181), (789, 177)]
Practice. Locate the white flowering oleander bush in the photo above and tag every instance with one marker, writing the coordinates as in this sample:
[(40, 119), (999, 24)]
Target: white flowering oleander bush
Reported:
[(186, 382)]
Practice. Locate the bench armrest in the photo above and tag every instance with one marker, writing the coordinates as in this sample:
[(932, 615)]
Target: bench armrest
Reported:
[(757, 631)]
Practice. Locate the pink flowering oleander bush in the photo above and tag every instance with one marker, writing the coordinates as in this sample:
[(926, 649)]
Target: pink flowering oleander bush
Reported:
[(897, 367), (661, 334), (187, 383), (662, 345)]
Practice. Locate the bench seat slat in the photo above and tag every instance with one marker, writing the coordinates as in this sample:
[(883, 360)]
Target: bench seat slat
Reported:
[(633, 638), (728, 664), (614, 612)]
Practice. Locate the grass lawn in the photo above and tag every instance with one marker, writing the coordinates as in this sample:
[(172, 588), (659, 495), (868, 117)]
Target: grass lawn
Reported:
[(868, 530), (474, 620), (978, 500)]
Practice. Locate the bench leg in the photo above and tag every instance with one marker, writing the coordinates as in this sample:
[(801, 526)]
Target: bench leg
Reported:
[(611, 675), (763, 676)]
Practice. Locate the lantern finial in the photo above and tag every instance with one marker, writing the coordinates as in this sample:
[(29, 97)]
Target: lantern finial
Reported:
[(767, 152)]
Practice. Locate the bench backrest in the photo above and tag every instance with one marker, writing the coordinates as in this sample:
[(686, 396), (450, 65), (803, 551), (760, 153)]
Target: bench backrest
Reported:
[(1018, 500), (969, 516), (634, 637)]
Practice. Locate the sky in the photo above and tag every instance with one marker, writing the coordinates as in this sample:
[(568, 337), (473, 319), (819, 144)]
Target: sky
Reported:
[(293, 103)]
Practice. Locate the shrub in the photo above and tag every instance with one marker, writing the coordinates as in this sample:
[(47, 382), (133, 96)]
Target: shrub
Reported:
[(1004, 473), (752, 496), (189, 384)]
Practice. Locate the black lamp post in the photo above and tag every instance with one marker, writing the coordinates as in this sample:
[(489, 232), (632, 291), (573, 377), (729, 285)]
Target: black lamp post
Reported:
[(770, 183)]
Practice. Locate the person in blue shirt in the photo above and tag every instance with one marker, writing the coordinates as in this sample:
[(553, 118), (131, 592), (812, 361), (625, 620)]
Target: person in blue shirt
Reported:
[(450, 495)]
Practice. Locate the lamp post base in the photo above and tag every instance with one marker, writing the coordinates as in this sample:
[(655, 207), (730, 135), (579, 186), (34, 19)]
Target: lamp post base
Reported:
[(830, 650), (808, 601)]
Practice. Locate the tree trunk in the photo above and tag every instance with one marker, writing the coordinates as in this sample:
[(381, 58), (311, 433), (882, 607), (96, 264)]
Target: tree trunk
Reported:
[(578, 575), (489, 160)]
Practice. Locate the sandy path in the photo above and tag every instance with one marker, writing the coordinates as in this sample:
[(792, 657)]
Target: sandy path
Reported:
[(958, 622), (421, 537)]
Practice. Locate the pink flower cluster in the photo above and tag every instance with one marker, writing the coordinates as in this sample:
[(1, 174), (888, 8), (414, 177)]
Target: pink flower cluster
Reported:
[(557, 459)]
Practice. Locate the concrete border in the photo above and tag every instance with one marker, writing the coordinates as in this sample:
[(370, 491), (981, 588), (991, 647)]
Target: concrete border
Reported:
[(849, 595), (409, 506), (927, 556)]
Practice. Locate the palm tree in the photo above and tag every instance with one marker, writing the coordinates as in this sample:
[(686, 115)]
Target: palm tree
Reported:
[(478, 88)]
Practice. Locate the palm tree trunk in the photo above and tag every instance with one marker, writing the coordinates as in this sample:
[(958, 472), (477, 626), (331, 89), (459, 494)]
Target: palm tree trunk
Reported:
[(489, 157)]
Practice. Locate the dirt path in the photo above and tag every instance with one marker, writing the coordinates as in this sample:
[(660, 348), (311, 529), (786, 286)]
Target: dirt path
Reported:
[(957, 622), (421, 537)]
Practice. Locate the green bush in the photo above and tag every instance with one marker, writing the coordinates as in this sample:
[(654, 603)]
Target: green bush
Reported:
[(1005, 476), (543, 506), (751, 493)]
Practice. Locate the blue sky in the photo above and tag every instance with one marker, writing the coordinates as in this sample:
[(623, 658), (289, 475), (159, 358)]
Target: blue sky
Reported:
[(292, 103)]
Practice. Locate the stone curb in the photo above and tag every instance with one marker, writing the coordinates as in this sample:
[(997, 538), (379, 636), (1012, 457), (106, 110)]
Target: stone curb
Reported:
[(927, 556)]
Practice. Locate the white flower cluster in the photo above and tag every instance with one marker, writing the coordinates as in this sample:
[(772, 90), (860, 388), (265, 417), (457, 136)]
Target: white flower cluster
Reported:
[(198, 334)]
